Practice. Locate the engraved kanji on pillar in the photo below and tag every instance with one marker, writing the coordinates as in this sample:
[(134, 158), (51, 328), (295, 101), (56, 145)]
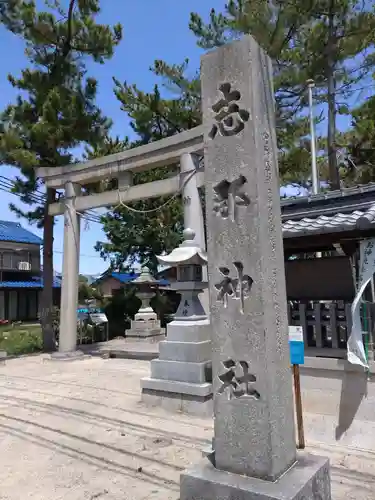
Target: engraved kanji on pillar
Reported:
[(237, 288), (228, 196), (230, 118)]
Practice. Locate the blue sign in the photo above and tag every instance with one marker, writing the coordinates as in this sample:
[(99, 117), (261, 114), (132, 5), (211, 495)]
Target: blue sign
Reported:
[(296, 345), (89, 310)]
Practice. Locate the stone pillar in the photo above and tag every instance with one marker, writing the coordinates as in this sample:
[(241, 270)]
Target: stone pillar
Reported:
[(254, 436), (193, 213), (69, 285)]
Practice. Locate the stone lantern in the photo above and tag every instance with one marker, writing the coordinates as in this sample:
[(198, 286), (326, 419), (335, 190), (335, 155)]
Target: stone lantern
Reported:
[(181, 378), (145, 323), (188, 258)]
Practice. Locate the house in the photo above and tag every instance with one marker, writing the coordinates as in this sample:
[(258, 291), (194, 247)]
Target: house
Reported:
[(110, 282), (20, 273)]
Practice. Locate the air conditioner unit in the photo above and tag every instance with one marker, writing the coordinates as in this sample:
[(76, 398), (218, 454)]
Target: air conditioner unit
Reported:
[(24, 266)]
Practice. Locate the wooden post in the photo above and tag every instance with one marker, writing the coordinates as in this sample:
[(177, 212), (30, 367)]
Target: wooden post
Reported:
[(298, 398)]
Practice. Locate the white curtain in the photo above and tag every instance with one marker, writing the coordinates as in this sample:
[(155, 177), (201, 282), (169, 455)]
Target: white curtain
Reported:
[(356, 350)]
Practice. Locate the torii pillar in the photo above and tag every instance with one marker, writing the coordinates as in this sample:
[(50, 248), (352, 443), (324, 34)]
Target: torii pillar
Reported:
[(69, 287)]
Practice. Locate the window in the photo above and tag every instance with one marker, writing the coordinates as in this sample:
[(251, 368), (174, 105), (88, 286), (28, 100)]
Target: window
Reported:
[(7, 260)]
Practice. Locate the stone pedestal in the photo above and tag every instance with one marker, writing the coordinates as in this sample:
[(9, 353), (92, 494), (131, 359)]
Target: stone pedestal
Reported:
[(145, 329), (145, 323), (254, 435), (307, 479), (181, 379)]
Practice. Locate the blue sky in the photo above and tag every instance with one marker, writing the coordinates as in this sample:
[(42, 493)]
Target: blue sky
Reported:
[(152, 30)]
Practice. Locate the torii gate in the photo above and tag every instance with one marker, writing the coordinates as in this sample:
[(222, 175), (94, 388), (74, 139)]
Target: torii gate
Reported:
[(184, 149)]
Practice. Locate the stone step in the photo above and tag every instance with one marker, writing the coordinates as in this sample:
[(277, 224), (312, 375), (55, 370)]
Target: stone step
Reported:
[(176, 387), (144, 334), (182, 331), (195, 352), (197, 373)]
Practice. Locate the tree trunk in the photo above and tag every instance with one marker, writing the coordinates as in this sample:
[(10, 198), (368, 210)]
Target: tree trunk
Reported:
[(334, 178), (47, 291)]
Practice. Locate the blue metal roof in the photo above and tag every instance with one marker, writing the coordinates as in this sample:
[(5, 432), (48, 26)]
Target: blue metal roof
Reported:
[(129, 277), (13, 231), (125, 277), (33, 283)]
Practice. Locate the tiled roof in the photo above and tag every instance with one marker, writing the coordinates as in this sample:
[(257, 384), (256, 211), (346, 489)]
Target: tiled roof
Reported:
[(13, 231), (33, 283), (357, 220), (351, 209), (361, 191)]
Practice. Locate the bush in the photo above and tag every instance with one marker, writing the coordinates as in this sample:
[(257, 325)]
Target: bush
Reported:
[(21, 341), (165, 304), (120, 310), (123, 305)]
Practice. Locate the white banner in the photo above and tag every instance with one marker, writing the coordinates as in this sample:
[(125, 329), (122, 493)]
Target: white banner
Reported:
[(356, 351)]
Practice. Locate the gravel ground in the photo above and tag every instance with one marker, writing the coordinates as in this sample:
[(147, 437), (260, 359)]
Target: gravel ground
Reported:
[(77, 430)]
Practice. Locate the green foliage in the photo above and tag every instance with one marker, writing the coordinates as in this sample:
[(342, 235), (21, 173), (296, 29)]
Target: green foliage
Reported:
[(120, 310), (106, 145), (165, 304), (358, 145), (20, 340), (123, 305), (55, 110), (141, 233), (330, 41), (87, 292), (134, 236)]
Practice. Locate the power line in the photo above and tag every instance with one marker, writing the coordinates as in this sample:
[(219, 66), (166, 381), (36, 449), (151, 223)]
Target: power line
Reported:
[(82, 255), (342, 90), (42, 196), (4, 186), (88, 219), (7, 185)]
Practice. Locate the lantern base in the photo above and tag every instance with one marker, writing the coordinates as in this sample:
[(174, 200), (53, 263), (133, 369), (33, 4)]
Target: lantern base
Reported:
[(181, 379), (193, 399), (144, 329)]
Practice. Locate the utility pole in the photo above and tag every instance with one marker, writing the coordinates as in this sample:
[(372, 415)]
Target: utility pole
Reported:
[(314, 169), (334, 178)]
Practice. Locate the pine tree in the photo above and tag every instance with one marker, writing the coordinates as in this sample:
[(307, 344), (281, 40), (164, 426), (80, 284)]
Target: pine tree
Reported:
[(134, 236), (55, 110), (330, 41), (295, 34), (358, 146), (144, 231)]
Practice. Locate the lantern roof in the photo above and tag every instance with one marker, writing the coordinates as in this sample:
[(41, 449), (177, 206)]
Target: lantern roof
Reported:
[(187, 253), (145, 277)]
